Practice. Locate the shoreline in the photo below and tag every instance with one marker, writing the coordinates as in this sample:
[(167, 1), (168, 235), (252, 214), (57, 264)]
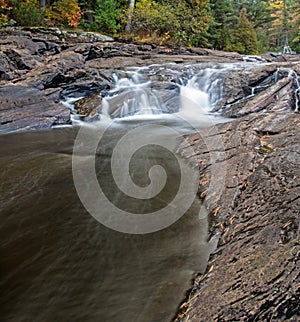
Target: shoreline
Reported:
[(252, 275)]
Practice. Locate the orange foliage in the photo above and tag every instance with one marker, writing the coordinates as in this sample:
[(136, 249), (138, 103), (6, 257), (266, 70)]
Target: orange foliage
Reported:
[(4, 5), (65, 12)]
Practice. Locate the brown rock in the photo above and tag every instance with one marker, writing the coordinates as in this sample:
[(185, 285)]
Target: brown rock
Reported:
[(89, 108), (28, 108), (253, 275)]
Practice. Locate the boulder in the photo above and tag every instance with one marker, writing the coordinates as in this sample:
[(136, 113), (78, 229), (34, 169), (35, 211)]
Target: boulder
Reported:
[(89, 108)]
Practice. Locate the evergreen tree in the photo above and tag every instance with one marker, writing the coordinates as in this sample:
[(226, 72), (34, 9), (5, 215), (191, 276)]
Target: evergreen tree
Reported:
[(101, 15), (244, 38), (281, 25), (223, 21), (192, 21), (295, 30), (246, 26), (107, 15)]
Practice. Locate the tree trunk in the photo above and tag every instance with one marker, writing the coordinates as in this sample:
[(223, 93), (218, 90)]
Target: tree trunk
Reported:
[(43, 4), (129, 20)]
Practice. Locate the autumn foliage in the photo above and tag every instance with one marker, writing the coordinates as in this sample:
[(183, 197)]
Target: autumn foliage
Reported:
[(64, 13), (4, 9), (246, 26)]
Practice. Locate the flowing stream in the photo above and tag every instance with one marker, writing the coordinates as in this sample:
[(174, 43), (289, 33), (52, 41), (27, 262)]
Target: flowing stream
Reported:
[(60, 264)]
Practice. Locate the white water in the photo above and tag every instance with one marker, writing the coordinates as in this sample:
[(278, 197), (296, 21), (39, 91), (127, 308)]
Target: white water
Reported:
[(163, 92), (170, 91), (194, 102), (297, 91)]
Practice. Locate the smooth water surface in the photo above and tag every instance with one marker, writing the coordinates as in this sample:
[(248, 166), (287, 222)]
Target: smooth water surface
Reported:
[(59, 264)]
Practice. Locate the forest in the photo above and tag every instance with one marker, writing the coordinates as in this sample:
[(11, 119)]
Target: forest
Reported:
[(244, 26)]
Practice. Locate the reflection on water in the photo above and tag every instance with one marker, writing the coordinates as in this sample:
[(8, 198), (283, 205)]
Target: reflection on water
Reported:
[(59, 264)]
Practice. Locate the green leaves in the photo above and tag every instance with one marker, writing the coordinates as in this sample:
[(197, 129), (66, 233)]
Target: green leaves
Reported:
[(107, 16), (178, 22), (244, 38), (219, 24)]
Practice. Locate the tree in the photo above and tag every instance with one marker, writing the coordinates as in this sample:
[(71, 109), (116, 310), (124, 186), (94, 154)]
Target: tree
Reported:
[(4, 12), (281, 24), (88, 8), (259, 14), (295, 30), (26, 12), (130, 13), (106, 16), (223, 21), (177, 21), (43, 4), (194, 22), (244, 38), (65, 13)]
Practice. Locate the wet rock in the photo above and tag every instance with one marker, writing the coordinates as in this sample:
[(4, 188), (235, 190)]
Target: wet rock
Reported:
[(225, 56), (6, 68), (22, 107), (89, 108), (249, 168), (68, 63), (278, 97), (20, 58), (80, 64), (258, 88)]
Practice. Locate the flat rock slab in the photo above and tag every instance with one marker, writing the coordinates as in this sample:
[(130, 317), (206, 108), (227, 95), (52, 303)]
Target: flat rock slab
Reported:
[(25, 107)]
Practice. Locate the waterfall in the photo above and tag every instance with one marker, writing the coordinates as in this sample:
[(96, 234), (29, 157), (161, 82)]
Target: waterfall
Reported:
[(132, 95), (297, 90), (193, 100), (163, 90), (297, 96), (192, 91)]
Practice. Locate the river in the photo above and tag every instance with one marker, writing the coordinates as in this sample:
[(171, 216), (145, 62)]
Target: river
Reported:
[(59, 261)]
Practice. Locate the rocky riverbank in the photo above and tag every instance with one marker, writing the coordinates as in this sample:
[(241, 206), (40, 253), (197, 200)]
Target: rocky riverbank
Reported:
[(254, 207), (254, 273), (39, 69)]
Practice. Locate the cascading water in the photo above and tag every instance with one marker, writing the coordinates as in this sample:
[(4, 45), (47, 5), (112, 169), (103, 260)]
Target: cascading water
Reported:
[(132, 96), (297, 96), (297, 90), (193, 100), (190, 91), (157, 90)]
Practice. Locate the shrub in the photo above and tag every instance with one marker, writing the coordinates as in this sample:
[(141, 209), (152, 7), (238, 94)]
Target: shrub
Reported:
[(26, 13), (152, 20)]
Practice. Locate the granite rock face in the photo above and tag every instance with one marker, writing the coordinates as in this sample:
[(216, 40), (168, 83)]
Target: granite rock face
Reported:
[(259, 88), (28, 107), (251, 190)]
